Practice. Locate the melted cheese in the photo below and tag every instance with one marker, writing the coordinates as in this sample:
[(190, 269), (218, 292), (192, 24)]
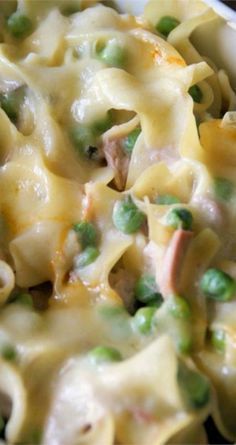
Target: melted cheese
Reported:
[(51, 392)]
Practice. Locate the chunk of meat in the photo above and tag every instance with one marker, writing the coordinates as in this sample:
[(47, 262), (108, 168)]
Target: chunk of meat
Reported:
[(172, 261), (118, 160)]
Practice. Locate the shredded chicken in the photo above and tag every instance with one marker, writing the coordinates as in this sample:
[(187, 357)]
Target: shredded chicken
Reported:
[(172, 261), (118, 160)]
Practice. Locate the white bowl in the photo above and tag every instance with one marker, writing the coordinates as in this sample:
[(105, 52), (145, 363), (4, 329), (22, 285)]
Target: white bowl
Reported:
[(216, 40), (223, 10)]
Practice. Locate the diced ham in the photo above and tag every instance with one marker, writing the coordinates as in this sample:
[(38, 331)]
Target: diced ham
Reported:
[(172, 261), (118, 160)]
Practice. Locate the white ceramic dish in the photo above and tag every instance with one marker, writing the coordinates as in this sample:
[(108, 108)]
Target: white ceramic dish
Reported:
[(216, 40), (222, 9)]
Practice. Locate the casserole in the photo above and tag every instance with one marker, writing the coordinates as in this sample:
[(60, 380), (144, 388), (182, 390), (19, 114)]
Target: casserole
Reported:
[(118, 207)]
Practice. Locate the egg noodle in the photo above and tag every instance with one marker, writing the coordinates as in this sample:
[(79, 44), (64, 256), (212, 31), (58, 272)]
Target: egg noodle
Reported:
[(117, 215)]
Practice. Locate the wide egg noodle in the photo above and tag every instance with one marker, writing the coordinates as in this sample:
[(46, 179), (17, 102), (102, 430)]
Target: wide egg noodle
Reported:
[(8, 138), (12, 394), (32, 270), (112, 244), (7, 280), (227, 92), (218, 141), (51, 389), (158, 142), (49, 50), (191, 15), (34, 186), (115, 382)]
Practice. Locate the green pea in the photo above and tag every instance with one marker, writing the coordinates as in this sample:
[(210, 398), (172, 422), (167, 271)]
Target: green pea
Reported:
[(111, 53), (143, 318), (218, 340), (86, 233), (88, 256), (195, 387), (85, 138), (179, 218), (217, 285), (196, 93), (223, 188), (82, 138), (179, 308), (130, 140), (8, 352), (100, 126), (103, 354), (127, 217), (19, 25), (166, 24), (146, 290), (25, 299), (167, 200), (10, 103)]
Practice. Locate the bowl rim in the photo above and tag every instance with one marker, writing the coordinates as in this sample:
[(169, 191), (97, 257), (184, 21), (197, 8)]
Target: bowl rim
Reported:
[(222, 9), (136, 7)]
